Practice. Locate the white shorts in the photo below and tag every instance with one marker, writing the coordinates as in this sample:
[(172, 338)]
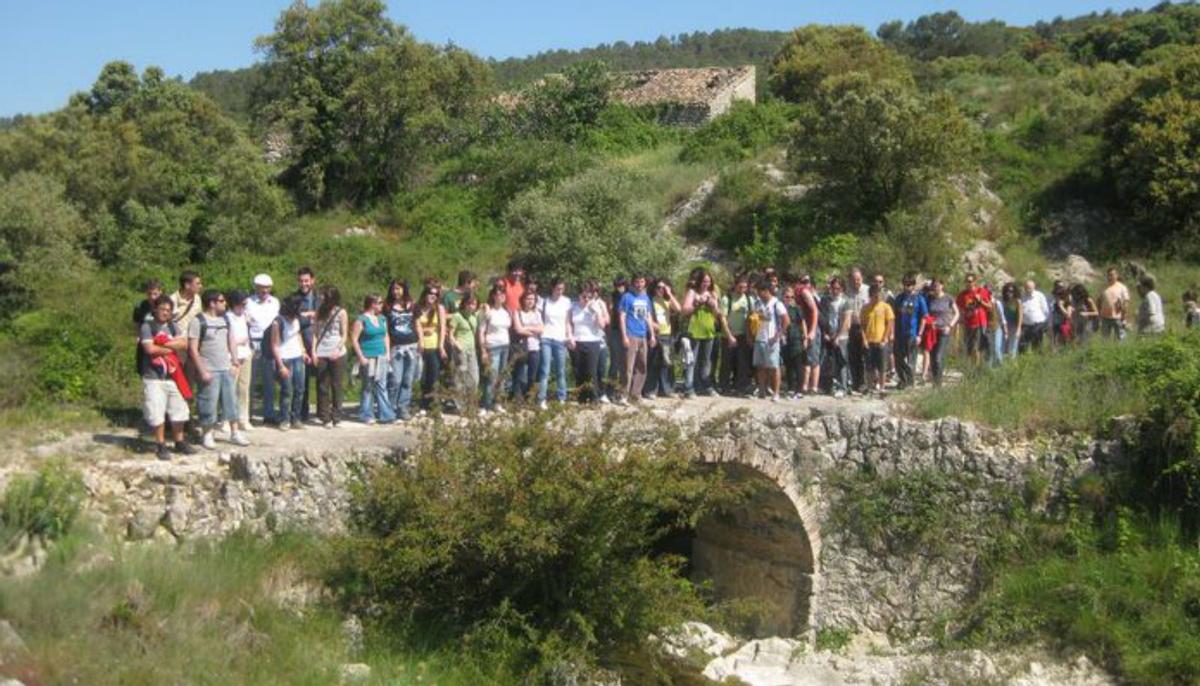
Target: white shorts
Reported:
[(161, 400)]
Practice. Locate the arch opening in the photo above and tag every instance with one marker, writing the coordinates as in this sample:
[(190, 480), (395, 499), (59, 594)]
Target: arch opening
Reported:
[(758, 551)]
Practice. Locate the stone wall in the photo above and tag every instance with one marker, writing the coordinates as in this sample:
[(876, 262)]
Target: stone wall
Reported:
[(817, 576), (857, 586)]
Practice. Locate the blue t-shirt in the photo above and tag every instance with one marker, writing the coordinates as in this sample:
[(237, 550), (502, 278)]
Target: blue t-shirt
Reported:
[(910, 309), (637, 314)]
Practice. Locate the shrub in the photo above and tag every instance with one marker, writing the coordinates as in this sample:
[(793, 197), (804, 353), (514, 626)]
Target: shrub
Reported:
[(532, 542), (43, 504), (741, 133), (621, 128), (595, 225)]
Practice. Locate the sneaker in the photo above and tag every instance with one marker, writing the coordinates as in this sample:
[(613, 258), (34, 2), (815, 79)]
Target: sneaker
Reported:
[(238, 439), (162, 452), (839, 394), (500, 410), (284, 427), (543, 406), (622, 401), (651, 396), (689, 395), (298, 425), (421, 413), (483, 413), (370, 422), (184, 448), (604, 400), (208, 441), (774, 398)]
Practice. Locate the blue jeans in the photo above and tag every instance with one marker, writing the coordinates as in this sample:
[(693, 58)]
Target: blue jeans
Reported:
[(698, 372), (554, 359), (374, 403), (1012, 342), (264, 375), (222, 388), (406, 360), (498, 356), (997, 346), (837, 364), (291, 391), (525, 373), (661, 378)]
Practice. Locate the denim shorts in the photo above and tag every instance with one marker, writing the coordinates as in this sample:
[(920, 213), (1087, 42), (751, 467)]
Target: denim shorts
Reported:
[(766, 355)]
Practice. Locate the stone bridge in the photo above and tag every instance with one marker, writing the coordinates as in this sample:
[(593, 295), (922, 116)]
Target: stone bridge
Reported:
[(780, 547)]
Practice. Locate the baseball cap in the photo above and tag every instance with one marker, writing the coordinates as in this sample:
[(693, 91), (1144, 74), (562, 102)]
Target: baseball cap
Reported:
[(263, 280)]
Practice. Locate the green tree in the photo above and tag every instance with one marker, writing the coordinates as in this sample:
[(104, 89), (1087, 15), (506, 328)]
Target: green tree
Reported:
[(41, 236), (594, 225), (155, 155), (947, 34), (566, 106), (1152, 140), (815, 53), (878, 143), (364, 102)]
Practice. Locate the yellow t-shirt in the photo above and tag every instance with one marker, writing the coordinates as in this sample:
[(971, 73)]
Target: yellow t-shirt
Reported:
[(662, 312), (429, 330), (877, 320)]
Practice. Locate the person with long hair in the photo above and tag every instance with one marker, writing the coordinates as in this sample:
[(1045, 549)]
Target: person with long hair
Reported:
[(463, 327), (661, 380), (701, 304), (330, 330), (1086, 314), (557, 337), (369, 337), (495, 344), (1014, 318), (836, 311), (430, 317), (589, 318), (528, 328), (291, 357), (944, 311), (405, 359)]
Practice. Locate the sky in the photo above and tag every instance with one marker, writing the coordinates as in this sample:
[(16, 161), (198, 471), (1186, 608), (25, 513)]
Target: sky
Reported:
[(52, 48)]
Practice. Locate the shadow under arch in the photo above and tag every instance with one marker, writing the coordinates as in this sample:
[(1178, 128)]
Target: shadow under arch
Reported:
[(759, 550)]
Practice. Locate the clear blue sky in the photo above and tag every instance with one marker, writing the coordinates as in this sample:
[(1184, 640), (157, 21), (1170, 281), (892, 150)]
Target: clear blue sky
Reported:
[(52, 48)]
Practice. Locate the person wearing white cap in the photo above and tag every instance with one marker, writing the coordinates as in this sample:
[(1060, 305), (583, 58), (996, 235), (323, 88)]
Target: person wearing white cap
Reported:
[(262, 309)]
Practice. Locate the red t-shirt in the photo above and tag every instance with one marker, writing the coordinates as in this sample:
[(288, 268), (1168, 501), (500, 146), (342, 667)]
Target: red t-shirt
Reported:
[(974, 303)]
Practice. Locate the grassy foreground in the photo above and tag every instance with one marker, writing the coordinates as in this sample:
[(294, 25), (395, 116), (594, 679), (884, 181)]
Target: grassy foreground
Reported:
[(218, 613)]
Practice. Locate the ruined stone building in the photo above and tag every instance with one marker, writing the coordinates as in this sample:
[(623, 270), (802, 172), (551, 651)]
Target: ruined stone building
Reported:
[(687, 97), (683, 97)]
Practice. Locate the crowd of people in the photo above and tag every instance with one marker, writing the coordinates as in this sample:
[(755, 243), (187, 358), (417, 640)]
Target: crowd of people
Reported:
[(768, 335)]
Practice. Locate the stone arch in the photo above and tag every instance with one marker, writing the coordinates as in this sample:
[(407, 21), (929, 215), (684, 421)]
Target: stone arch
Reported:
[(767, 548)]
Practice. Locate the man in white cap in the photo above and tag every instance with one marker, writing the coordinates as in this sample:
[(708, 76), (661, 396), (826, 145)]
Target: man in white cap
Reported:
[(261, 309)]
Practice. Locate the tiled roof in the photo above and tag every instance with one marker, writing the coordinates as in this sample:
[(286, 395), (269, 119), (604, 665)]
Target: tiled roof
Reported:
[(684, 86)]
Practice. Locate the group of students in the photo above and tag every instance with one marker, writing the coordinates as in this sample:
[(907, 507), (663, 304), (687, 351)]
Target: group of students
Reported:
[(770, 336)]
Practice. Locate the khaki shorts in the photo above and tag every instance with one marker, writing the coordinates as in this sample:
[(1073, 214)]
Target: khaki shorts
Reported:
[(162, 400)]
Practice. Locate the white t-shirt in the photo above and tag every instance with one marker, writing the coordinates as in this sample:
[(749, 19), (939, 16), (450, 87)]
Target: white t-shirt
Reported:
[(770, 312), (498, 321), (241, 336), (555, 315), (290, 345), (586, 320), (260, 314), (529, 319)]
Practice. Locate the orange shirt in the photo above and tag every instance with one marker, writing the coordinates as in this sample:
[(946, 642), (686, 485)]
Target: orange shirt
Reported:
[(513, 290)]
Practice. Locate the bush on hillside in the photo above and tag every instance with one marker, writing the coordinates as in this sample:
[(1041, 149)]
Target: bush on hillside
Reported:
[(1153, 151), (594, 225), (877, 144), (620, 128), (741, 133), (532, 543), (45, 503)]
